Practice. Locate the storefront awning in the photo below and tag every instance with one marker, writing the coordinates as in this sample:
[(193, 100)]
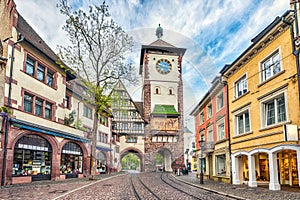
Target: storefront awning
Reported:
[(103, 149), (42, 129)]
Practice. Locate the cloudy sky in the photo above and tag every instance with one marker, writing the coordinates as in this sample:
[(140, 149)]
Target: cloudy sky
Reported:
[(215, 32)]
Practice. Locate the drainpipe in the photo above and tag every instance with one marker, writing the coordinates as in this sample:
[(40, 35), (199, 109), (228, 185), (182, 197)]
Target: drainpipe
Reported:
[(20, 39), (295, 51), (296, 19), (228, 128)]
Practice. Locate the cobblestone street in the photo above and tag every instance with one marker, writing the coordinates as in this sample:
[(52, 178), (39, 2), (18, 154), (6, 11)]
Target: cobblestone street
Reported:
[(101, 188)]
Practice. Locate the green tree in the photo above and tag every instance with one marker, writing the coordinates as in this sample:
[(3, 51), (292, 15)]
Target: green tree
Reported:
[(96, 54), (159, 159), (130, 161)]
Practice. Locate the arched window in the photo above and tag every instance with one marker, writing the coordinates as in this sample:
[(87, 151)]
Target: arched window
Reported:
[(32, 156), (71, 160), (157, 90), (171, 92)]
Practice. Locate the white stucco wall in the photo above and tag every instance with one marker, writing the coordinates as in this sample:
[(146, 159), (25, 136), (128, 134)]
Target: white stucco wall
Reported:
[(164, 81)]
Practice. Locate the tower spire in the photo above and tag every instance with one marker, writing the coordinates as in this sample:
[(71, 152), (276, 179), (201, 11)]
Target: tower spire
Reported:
[(159, 31)]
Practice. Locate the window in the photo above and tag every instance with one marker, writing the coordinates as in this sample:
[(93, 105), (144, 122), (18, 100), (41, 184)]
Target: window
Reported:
[(242, 122), (157, 90), (221, 130), (29, 66), (202, 117), (48, 110), (37, 106), (137, 126), (210, 137), (134, 115), (87, 112), (221, 165), (274, 109), (270, 66), (28, 100), (220, 101), (241, 87), (170, 91), (209, 111), (131, 139), (125, 126), (71, 159), (39, 71), (104, 120), (67, 103), (50, 78), (32, 156), (102, 137)]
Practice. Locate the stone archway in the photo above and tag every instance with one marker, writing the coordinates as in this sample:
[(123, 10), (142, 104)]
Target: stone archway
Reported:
[(136, 152), (167, 159)]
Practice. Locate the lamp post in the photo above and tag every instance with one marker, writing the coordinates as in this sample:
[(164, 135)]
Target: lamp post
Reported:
[(20, 39), (201, 143), (111, 141)]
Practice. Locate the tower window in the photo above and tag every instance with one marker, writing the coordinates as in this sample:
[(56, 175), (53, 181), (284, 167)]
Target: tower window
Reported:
[(157, 90), (171, 92)]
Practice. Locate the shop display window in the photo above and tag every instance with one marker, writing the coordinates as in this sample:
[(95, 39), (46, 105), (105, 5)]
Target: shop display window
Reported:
[(32, 156), (221, 165), (100, 163), (71, 159), (288, 168)]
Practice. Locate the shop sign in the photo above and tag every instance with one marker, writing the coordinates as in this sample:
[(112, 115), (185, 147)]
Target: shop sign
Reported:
[(290, 132)]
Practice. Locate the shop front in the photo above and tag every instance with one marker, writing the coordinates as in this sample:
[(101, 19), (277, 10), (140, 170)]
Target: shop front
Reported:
[(32, 159), (288, 169), (101, 163), (71, 160), (276, 166)]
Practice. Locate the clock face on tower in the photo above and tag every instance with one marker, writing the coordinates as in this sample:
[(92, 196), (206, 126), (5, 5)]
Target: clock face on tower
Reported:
[(163, 66)]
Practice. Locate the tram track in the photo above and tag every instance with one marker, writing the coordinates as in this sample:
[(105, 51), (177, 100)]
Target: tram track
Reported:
[(142, 191), (200, 190), (165, 186)]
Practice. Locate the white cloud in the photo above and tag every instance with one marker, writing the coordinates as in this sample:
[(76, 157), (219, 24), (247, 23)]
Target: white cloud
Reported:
[(214, 32)]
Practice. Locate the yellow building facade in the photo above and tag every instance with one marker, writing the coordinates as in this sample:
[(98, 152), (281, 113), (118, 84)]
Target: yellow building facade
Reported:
[(264, 113)]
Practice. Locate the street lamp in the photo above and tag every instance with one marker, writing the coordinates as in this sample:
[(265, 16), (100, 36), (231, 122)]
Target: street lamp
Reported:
[(202, 146), (111, 165), (20, 39)]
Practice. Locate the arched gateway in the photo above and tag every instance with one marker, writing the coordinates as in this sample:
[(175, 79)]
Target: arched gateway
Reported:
[(135, 152)]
